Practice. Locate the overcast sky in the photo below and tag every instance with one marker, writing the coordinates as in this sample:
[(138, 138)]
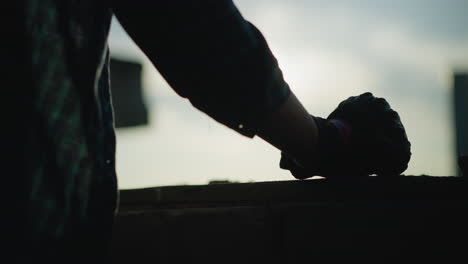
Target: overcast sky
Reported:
[(404, 51)]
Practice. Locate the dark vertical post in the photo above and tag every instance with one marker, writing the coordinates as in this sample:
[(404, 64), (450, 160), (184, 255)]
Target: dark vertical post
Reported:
[(127, 94), (461, 114)]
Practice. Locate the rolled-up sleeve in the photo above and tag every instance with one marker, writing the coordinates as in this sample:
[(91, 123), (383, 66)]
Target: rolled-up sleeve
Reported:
[(212, 56)]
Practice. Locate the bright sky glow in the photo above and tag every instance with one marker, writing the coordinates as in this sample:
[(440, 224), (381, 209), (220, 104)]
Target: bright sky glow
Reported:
[(404, 51)]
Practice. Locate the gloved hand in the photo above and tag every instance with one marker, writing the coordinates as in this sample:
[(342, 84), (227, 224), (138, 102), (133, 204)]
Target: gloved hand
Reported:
[(361, 137)]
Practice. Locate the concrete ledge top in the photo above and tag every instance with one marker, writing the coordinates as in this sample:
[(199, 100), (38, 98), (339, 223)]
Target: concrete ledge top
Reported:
[(314, 190)]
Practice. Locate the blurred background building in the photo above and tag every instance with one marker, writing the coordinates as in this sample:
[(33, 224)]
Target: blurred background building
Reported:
[(461, 113), (127, 94)]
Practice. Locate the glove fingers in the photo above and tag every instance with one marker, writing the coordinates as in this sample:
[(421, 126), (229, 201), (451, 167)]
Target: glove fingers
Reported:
[(378, 133), (288, 163)]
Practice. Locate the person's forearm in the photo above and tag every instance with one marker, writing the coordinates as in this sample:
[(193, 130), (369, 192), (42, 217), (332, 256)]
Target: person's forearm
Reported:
[(292, 129), (209, 54)]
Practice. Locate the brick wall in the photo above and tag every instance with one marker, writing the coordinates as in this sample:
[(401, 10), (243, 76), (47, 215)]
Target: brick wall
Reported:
[(378, 220)]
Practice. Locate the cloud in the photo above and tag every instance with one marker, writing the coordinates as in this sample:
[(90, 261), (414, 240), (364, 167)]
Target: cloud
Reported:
[(402, 50)]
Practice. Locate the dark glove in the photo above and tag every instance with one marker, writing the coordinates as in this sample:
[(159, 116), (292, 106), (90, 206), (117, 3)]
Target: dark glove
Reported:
[(361, 137)]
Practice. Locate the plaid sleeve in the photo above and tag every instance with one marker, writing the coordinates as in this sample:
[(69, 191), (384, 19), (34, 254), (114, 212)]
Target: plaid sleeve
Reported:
[(212, 56)]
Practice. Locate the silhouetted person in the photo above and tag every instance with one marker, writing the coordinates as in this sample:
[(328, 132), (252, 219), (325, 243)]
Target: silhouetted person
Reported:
[(61, 177)]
